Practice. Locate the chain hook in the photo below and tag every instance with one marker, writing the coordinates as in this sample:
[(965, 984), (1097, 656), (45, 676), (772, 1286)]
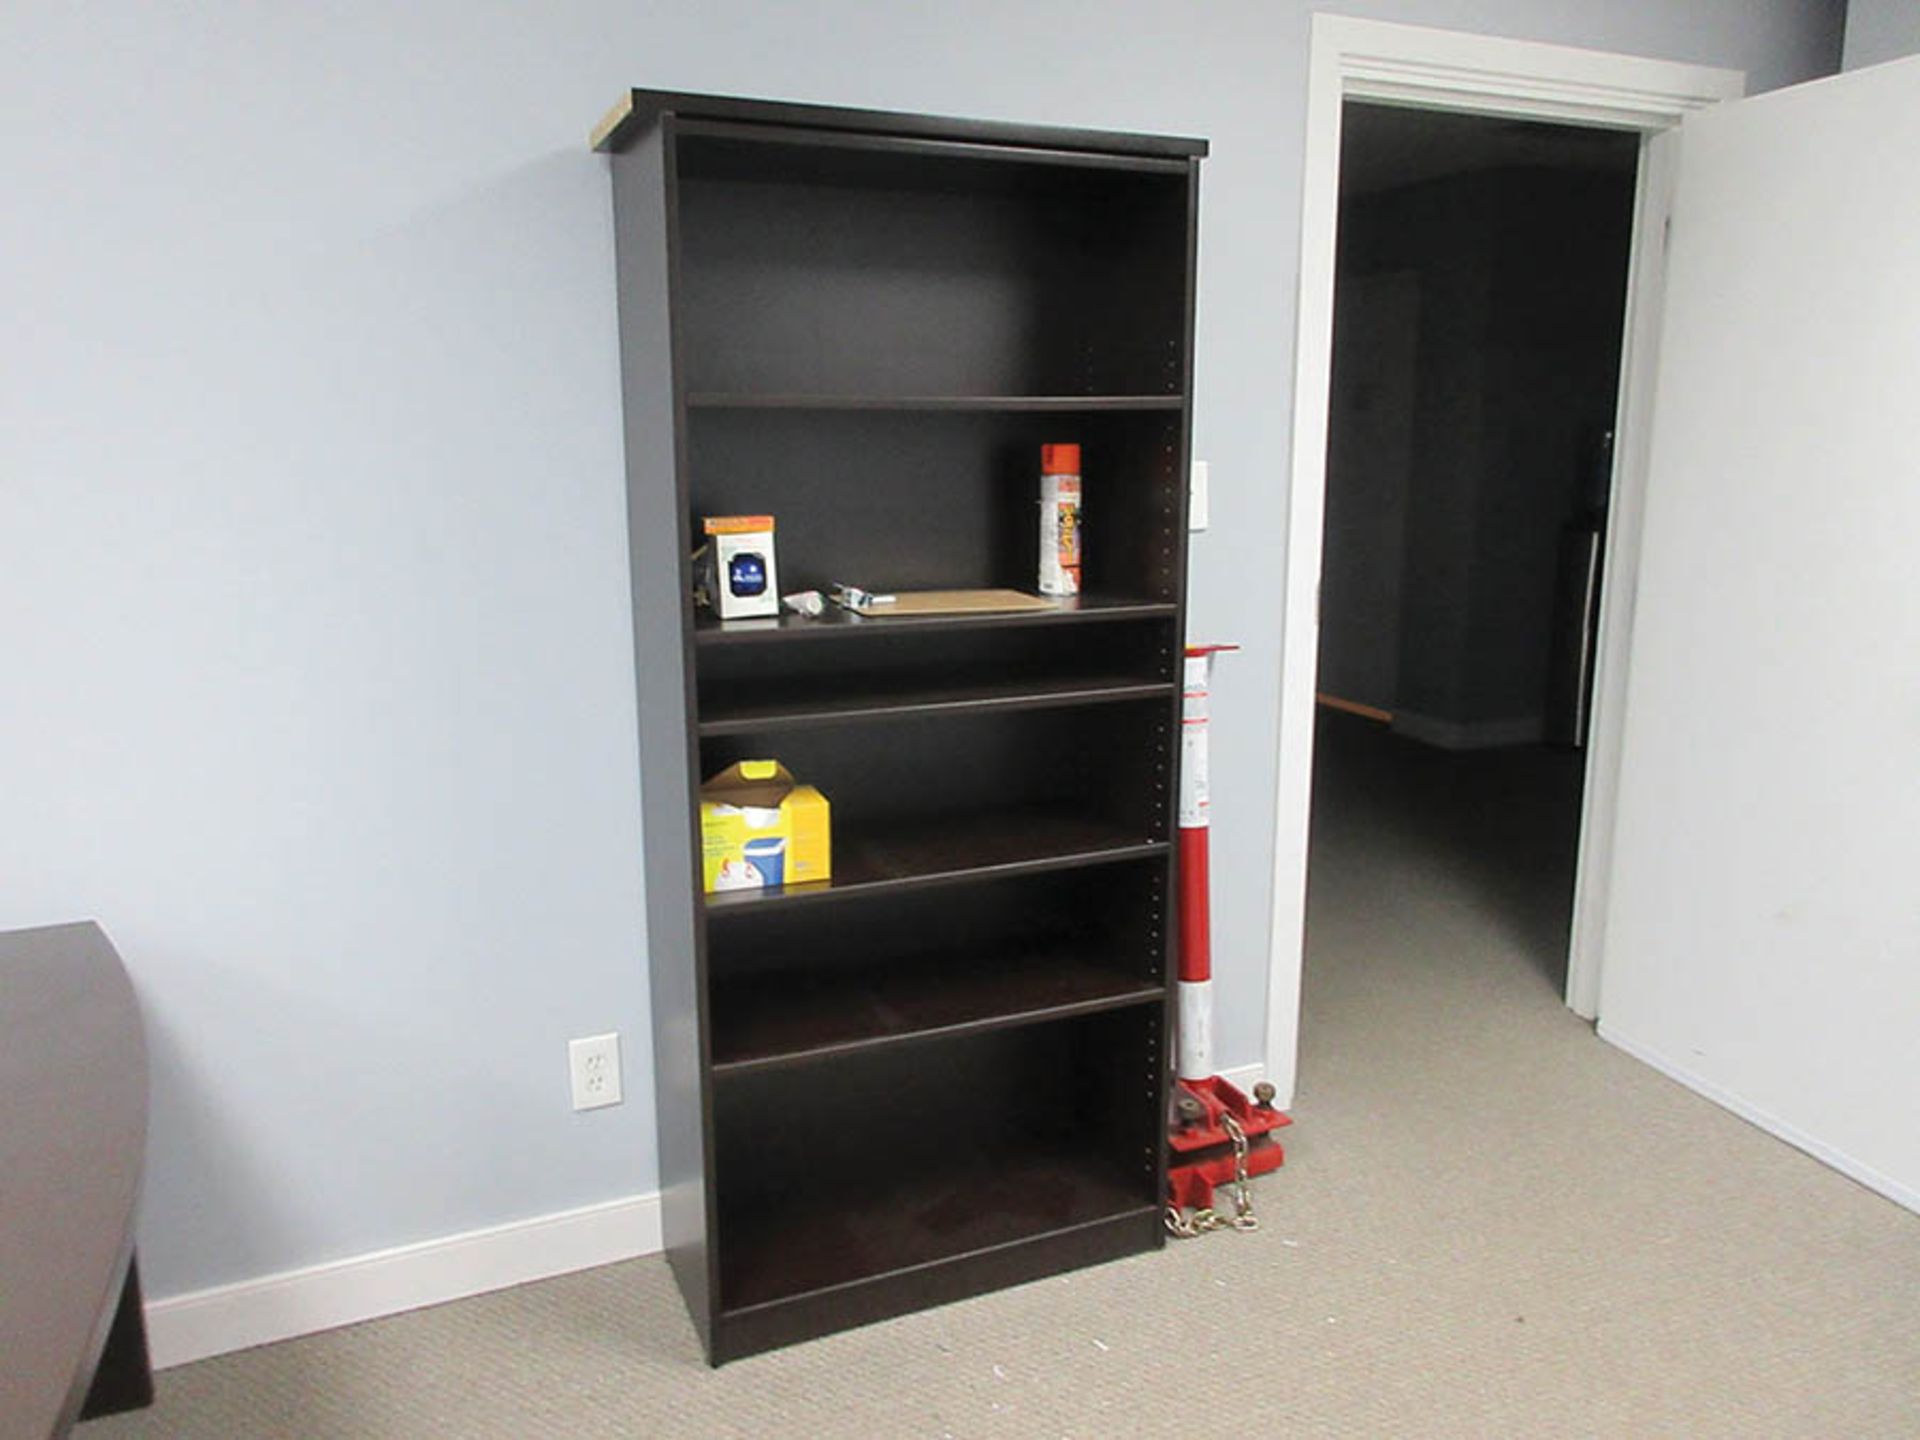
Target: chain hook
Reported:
[(1208, 1219)]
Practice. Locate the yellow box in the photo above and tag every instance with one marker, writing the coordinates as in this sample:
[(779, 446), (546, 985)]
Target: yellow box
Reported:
[(758, 829)]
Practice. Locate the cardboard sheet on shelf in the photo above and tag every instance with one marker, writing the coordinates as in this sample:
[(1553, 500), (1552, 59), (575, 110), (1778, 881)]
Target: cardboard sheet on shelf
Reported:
[(958, 602)]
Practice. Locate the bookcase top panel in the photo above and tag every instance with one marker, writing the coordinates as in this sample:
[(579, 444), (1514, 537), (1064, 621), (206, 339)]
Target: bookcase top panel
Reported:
[(638, 110)]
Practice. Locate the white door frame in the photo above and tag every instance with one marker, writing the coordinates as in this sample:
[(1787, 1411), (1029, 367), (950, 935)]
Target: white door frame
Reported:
[(1445, 70)]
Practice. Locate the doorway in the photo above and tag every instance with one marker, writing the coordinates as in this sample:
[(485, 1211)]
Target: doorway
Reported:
[(1479, 303), (1445, 71)]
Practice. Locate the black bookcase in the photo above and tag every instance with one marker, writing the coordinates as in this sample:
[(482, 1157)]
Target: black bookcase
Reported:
[(945, 1070)]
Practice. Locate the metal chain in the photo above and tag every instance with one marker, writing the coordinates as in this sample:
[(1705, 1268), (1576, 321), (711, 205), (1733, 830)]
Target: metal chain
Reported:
[(1207, 1219)]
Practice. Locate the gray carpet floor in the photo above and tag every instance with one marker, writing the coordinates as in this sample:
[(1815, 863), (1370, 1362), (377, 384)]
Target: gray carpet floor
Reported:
[(1490, 1224)]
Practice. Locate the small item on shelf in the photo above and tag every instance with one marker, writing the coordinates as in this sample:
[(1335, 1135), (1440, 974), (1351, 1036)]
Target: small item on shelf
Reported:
[(1060, 519), (758, 829), (737, 572), (805, 602), (950, 602), (852, 597)]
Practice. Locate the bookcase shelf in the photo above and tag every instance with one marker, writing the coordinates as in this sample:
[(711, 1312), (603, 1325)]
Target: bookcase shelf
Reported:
[(1080, 610), (843, 1235), (909, 965), (857, 702), (894, 670), (946, 1068), (985, 404), (873, 1168), (999, 842), (804, 1015)]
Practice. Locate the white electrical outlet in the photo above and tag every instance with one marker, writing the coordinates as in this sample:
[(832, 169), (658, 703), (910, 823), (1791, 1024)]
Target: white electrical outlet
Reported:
[(595, 1063), (1197, 497)]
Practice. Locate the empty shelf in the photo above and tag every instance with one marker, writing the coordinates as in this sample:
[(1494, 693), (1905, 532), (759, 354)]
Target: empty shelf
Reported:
[(827, 700), (854, 1228), (782, 1017)]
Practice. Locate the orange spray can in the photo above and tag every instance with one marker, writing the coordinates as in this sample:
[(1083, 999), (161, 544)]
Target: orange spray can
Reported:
[(1059, 519)]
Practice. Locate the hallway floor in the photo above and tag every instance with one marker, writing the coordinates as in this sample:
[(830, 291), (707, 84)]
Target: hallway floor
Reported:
[(1478, 843), (1662, 1266)]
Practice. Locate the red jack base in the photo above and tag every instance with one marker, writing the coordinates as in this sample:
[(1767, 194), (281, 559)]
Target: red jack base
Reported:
[(1202, 1152)]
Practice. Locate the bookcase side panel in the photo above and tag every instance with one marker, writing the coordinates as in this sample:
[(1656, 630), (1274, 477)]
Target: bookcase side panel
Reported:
[(658, 544)]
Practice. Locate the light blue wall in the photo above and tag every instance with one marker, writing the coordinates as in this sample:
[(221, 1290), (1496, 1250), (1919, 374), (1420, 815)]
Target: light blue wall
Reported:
[(1881, 30), (317, 685)]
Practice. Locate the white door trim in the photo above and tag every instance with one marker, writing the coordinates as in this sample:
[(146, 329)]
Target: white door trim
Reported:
[(1445, 70), (1633, 428)]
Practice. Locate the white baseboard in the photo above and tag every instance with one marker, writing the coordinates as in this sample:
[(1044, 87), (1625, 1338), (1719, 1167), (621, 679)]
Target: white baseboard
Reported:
[(1904, 1195), (190, 1327), (1469, 734), (225, 1318)]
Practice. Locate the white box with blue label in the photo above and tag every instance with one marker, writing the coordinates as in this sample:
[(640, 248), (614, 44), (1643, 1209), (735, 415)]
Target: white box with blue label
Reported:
[(740, 555)]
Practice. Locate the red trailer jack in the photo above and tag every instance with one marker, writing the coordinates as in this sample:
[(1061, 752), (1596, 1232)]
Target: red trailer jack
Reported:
[(1216, 1136), (1219, 1137)]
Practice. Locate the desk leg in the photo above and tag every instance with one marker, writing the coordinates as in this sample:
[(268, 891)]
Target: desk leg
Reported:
[(124, 1377)]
